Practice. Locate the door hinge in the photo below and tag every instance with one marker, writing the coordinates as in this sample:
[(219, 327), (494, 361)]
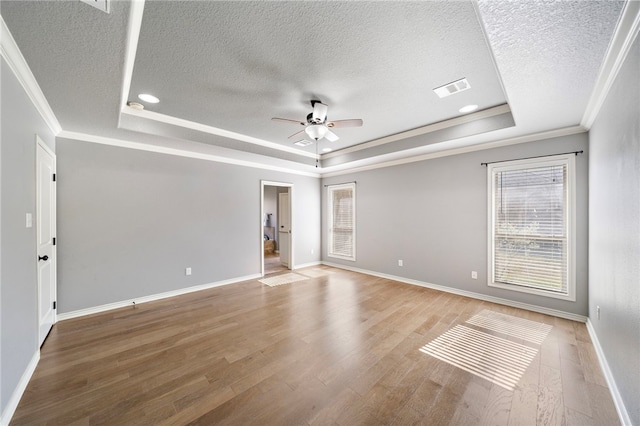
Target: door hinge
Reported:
[(54, 177), (54, 304), (54, 241)]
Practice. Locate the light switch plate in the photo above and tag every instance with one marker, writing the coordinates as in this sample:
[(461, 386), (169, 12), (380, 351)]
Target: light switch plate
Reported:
[(29, 221)]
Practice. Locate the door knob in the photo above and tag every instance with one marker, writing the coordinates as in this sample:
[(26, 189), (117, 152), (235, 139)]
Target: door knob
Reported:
[(45, 258)]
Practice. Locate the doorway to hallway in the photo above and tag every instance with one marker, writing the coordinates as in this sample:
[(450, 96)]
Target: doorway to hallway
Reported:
[(276, 235)]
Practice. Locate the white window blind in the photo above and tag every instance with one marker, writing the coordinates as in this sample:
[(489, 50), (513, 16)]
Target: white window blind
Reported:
[(531, 213), (342, 216)]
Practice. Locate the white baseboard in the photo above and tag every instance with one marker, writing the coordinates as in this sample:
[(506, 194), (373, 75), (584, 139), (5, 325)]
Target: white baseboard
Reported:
[(486, 298), (613, 388), (306, 265), (10, 409), (138, 300)]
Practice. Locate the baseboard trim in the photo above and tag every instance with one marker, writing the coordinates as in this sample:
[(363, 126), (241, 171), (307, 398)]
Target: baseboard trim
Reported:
[(307, 265), (613, 388), (10, 409), (151, 298), (470, 294)]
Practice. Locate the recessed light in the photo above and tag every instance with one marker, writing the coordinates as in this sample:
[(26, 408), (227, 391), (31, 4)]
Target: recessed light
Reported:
[(453, 87), (303, 142), (327, 149), (468, 108), (148, 98)]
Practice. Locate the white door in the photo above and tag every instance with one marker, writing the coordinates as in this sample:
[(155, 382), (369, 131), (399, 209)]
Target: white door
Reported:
[(284, 228), (45, 234)]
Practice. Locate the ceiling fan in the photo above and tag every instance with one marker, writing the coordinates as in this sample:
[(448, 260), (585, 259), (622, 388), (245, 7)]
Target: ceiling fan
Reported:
[(317, 126)]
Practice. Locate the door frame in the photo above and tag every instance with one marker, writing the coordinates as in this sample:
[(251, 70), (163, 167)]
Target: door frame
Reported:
[(264, 183), (54, 249)]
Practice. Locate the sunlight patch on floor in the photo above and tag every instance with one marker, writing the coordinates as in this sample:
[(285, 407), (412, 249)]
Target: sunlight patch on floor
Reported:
[(493, 358), (316, 272), (531, 331), (283, 279)]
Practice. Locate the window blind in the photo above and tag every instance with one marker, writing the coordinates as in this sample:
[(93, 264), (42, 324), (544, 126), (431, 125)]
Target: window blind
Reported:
[(530, 227), (342, 221)]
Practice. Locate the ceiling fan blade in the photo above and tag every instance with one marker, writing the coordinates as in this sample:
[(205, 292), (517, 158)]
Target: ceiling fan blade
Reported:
[(297, 134), (356, 122), (288, 120), (330, 136), (319, 112)]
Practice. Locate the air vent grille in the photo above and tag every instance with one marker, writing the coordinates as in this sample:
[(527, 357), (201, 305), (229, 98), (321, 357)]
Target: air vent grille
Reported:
[(303, 142), (451, 88)]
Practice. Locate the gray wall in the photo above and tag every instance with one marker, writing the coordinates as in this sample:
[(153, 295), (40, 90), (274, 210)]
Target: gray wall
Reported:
[(130, 221), (18, 282), (614, 229), (433, 215)]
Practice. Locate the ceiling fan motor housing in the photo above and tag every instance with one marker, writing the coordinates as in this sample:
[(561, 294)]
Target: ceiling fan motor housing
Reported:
[(312, 120)]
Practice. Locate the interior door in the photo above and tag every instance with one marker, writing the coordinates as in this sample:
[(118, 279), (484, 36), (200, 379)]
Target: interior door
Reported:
[(45, 234), (284, 228)]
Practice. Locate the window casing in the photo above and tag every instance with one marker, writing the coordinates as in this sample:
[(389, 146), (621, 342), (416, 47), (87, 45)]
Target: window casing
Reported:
[(532, 226), (342, 221)]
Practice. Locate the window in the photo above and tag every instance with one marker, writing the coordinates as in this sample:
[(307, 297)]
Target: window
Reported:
[(342, 221), (531, 226)]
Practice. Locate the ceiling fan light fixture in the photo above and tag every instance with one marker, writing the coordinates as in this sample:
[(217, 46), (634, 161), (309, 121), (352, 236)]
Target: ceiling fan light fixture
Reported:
[(316, 131)]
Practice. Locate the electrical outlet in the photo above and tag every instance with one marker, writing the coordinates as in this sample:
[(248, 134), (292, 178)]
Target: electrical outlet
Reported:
[(598, 312), (187, 271), (400, 262), (474, 275)]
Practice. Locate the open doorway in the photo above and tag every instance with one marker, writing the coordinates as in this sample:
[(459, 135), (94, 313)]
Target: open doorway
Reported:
[(276, 231)]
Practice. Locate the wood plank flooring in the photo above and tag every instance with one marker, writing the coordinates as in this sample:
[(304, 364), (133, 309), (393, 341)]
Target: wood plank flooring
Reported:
[(339, 349)]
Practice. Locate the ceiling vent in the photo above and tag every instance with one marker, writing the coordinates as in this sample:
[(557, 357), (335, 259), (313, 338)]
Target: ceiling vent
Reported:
[(303, 142), (102, 5), (451, 88)]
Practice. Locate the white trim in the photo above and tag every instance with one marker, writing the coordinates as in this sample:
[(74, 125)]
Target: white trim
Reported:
[(12, 404), (613, 388), (480, 115), (625, 33), (131, 47), (570, 220), (153, 297), (307, 265), (177, 152), (470, 294), (566, 131), (192, 125), (11, 53)]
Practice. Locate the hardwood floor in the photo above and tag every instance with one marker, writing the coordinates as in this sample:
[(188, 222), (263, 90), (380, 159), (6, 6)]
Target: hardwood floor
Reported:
[(342, 348), (272, 264)]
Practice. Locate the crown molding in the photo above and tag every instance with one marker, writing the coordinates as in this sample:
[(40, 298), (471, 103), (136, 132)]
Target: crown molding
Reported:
[(485, 113), (192, 125), (84, 137), (11, 53), (623, 37), (463, 150)]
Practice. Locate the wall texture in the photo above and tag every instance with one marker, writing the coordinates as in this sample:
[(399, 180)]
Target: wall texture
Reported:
[(130, 222), (18, 282), (614, 230), (433, 215)]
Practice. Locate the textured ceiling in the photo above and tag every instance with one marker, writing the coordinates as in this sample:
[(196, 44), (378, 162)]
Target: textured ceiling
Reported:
[(234, 65)]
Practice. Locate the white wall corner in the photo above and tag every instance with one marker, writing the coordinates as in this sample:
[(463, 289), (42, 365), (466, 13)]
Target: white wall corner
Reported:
[(613, 388), (625, 33), (11, 53), (12, 404)]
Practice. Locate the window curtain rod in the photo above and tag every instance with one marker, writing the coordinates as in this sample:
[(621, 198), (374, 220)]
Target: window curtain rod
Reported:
[(529, 158), (343, 183)]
